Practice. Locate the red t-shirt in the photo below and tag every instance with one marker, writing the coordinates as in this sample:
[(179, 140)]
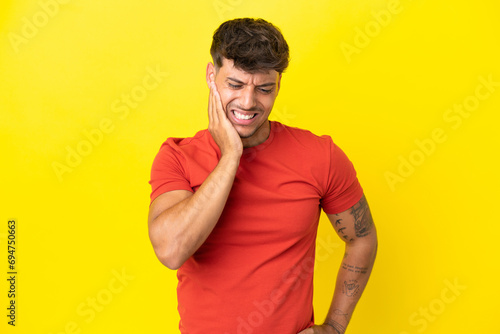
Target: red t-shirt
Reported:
[(254, 273)]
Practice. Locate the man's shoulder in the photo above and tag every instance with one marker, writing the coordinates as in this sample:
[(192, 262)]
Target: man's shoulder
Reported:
[(301, 135), (201, 137), (202, 140), (201, 143)]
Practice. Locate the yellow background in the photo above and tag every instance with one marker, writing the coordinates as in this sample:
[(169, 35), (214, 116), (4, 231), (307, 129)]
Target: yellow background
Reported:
[(79, 231)]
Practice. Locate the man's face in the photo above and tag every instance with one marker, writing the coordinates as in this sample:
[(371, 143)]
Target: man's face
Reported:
[(247, 99)]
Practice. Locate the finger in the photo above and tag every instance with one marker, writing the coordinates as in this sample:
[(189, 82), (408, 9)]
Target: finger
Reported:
[(215, 112), (212, 118), (218, 104)]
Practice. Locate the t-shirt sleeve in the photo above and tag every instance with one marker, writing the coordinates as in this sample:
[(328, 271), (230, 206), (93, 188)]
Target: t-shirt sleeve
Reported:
[(168, 171), (342, 188)]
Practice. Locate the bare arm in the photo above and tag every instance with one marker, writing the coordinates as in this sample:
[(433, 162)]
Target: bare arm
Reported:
[(356, 228), (179, 221)]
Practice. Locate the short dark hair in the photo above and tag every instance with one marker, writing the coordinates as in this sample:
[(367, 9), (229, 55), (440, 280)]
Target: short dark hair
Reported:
[(254, 45)]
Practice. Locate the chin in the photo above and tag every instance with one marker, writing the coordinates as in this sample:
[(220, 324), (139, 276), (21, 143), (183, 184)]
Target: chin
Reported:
[(247, 133)]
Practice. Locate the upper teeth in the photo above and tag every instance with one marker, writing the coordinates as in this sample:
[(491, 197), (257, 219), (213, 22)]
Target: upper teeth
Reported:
[(242, 116)]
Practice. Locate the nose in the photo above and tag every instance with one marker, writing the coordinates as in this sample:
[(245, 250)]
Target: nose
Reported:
[(247, 98)]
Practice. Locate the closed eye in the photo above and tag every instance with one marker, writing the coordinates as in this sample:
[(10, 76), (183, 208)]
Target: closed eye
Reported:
[(233, 86), (263, 90)]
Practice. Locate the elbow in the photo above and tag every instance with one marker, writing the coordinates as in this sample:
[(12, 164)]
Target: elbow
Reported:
[(170, 262), (367, 245), (373, 246), (168, 256), (167, 250)]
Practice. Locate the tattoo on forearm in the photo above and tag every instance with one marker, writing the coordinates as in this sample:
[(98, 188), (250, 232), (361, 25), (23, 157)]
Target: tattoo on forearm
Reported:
[(340, 312), (363, 221), (350, 288), (354, 269), (336, 326)]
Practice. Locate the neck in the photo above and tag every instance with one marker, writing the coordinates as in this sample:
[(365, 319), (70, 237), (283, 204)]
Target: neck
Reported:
[(259, 136)]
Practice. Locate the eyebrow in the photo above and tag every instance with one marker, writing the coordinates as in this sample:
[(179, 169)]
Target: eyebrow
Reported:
[(242, 83)]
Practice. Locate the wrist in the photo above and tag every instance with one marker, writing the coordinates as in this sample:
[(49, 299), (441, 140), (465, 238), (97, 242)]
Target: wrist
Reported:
[(334, 326), (231, 157), (230, 162)]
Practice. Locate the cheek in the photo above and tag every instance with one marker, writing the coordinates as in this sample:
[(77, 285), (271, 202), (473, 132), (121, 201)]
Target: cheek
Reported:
[(268, 103), (226, 97)]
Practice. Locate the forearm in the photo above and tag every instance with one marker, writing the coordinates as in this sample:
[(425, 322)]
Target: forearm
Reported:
[(352, 278), (181, 229)]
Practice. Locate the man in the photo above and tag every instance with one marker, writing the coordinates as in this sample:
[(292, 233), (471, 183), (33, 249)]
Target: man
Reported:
[(236, 207)]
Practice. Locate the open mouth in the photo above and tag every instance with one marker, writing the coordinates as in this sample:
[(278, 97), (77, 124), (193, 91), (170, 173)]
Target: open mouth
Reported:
[(241, 116)]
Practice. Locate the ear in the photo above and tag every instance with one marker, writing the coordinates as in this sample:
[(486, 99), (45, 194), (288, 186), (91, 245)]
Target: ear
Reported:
[(210, 76), (279, 84)]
